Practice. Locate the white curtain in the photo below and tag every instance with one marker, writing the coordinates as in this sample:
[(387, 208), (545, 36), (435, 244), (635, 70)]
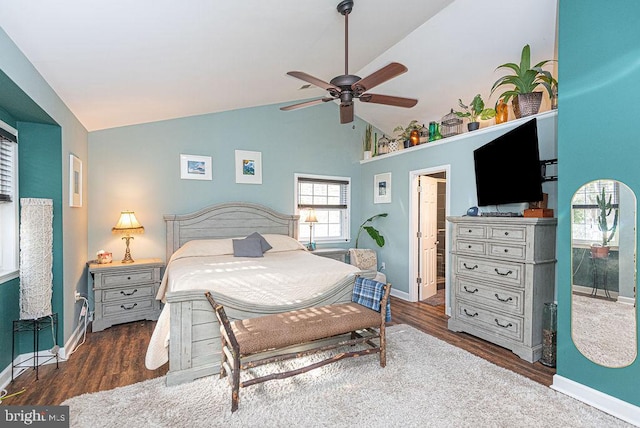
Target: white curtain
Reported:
[(36, 257)]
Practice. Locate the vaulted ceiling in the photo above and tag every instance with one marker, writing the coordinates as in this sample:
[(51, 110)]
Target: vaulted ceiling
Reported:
[(123, 62)]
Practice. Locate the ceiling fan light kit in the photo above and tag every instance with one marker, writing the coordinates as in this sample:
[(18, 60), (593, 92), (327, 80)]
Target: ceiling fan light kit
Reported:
[(347, 87)]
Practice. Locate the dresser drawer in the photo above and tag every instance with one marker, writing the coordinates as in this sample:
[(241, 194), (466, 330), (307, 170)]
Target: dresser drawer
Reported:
[(126, 278), (129, 293), (472, 231), (470, 247), (498, 271), (510, 300), (504, 325), (511, 252), (508, 233), (126, 308)]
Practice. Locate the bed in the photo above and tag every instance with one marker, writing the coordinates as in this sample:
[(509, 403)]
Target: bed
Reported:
[(200, 253)]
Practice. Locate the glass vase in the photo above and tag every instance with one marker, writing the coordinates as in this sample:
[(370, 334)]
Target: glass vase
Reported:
[(549, 334)]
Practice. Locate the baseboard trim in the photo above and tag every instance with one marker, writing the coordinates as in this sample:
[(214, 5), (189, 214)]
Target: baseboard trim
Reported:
[(400, 294), (5, 375), (608, 404)]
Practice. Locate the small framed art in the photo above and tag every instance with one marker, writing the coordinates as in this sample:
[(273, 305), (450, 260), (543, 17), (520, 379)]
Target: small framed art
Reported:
[(194, 167), (75, 181), (382, 188), (248, 167)]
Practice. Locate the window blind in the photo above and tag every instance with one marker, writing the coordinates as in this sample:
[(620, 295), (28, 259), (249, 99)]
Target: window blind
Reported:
[(7, 142), (320, 193)]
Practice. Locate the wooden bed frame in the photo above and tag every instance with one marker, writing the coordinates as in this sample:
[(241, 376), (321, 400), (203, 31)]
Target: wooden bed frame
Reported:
[(194, 344)]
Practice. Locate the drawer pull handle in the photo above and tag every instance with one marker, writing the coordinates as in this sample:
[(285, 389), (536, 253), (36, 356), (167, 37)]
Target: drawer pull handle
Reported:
[(506, 251), (470, 268), (128, 308), (503, 274), (470, 230), (469, 246), (129, 294), (475, 314), (508, 299), (506, 234), (470, 291), (503, 326)]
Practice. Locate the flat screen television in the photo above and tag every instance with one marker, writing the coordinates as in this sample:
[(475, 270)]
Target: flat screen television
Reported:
[(508, 168)]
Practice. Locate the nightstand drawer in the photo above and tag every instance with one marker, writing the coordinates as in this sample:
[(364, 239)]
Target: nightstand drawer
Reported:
[(125, 278), (129, 293), (126, 308)]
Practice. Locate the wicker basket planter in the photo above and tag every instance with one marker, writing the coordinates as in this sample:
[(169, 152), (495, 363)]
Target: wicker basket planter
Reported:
[(527, 104)]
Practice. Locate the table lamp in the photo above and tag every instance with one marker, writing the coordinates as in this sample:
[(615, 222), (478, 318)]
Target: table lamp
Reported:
[(127, 225), (311, 218)]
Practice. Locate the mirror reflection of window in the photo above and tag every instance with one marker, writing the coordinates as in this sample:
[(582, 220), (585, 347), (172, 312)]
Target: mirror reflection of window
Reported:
[(603, 313)]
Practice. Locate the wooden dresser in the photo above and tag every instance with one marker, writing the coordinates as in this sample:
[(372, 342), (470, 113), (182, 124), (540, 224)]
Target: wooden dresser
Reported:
[(502, 274), (125, 292)]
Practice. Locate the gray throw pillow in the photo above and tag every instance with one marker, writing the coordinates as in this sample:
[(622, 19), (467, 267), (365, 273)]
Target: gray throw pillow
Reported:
[(247, 247), (263, 242)]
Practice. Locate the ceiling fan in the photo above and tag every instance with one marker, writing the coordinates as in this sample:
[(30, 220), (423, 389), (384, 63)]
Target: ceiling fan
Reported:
[(347, 86)]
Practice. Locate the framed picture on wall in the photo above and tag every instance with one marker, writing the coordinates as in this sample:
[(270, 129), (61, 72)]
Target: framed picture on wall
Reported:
[(194, 167), (75, 181), (248, 167), (382, 188)]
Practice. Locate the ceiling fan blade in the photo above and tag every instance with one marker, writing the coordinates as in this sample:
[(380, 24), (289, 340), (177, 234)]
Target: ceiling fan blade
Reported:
[(306, 103), (346, 113), (378, 77), (388, 100), (313, 80)]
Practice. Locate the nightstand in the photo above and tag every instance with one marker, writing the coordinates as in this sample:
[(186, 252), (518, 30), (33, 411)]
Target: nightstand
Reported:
[(125, 292), (339, 254)]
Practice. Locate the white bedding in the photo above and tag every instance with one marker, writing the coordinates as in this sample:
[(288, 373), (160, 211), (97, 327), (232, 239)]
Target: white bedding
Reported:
[(286, 276)]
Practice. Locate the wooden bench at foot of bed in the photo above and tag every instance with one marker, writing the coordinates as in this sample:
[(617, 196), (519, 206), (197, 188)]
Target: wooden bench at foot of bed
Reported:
[(256, 341)]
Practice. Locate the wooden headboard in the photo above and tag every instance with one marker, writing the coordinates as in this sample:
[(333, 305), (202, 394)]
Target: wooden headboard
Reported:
[(227, 220)]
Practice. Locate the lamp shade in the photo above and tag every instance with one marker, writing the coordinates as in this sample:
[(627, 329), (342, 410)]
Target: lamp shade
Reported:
[(311, 216), (127, 224)]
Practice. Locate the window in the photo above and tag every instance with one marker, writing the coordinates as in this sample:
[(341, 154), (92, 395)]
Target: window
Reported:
[(8, 203), (330, 198), (584, 212)]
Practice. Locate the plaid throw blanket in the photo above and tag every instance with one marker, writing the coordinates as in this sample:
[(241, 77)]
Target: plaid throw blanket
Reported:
[(368, 293)]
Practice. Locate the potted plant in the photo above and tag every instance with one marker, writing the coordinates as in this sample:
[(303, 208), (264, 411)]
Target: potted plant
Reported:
[(366, 142), (524, 81), (404, 134), (372, 231), (601, 250), (474, 111)]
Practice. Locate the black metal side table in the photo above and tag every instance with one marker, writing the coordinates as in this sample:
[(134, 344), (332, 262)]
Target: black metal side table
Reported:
[(600, 264), (34, 326)]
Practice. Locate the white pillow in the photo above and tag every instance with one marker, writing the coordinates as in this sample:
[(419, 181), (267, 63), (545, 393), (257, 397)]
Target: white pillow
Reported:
[(205, 247), (282, 243)]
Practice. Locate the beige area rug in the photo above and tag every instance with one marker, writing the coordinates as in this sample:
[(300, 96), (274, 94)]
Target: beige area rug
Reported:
[(427, 383), (604, 330)]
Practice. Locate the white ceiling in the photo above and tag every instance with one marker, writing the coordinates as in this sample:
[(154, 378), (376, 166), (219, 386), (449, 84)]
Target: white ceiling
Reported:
[(123, 62)]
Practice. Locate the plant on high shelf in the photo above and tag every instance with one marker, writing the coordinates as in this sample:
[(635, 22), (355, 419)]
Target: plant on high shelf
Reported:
[(404, 134), (474, 111), (372, 231), (366, 142), (525, 79), (605, 208)]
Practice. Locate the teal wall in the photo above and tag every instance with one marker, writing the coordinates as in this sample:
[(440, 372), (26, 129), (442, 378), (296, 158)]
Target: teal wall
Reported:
[(137, 167), (31, 104), (457, 153), (599, 71)]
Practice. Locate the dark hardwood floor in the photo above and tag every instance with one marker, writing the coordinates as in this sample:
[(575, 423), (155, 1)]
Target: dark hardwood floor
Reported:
[(115, 357)]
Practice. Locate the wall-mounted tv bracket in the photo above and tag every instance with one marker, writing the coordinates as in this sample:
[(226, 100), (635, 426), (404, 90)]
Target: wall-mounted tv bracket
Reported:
[(543, 168)]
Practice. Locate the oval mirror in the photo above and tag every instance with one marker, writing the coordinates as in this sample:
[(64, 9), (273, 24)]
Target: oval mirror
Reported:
[(603, 254)]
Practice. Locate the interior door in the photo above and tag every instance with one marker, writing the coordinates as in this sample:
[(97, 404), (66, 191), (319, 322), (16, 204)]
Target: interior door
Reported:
[(428, 237)]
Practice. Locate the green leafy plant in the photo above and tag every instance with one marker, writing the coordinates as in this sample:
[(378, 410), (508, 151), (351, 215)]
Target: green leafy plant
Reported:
[(525, 78), (475, 109), (372, 231), (366, 139), (404, 133), (605, 208)]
